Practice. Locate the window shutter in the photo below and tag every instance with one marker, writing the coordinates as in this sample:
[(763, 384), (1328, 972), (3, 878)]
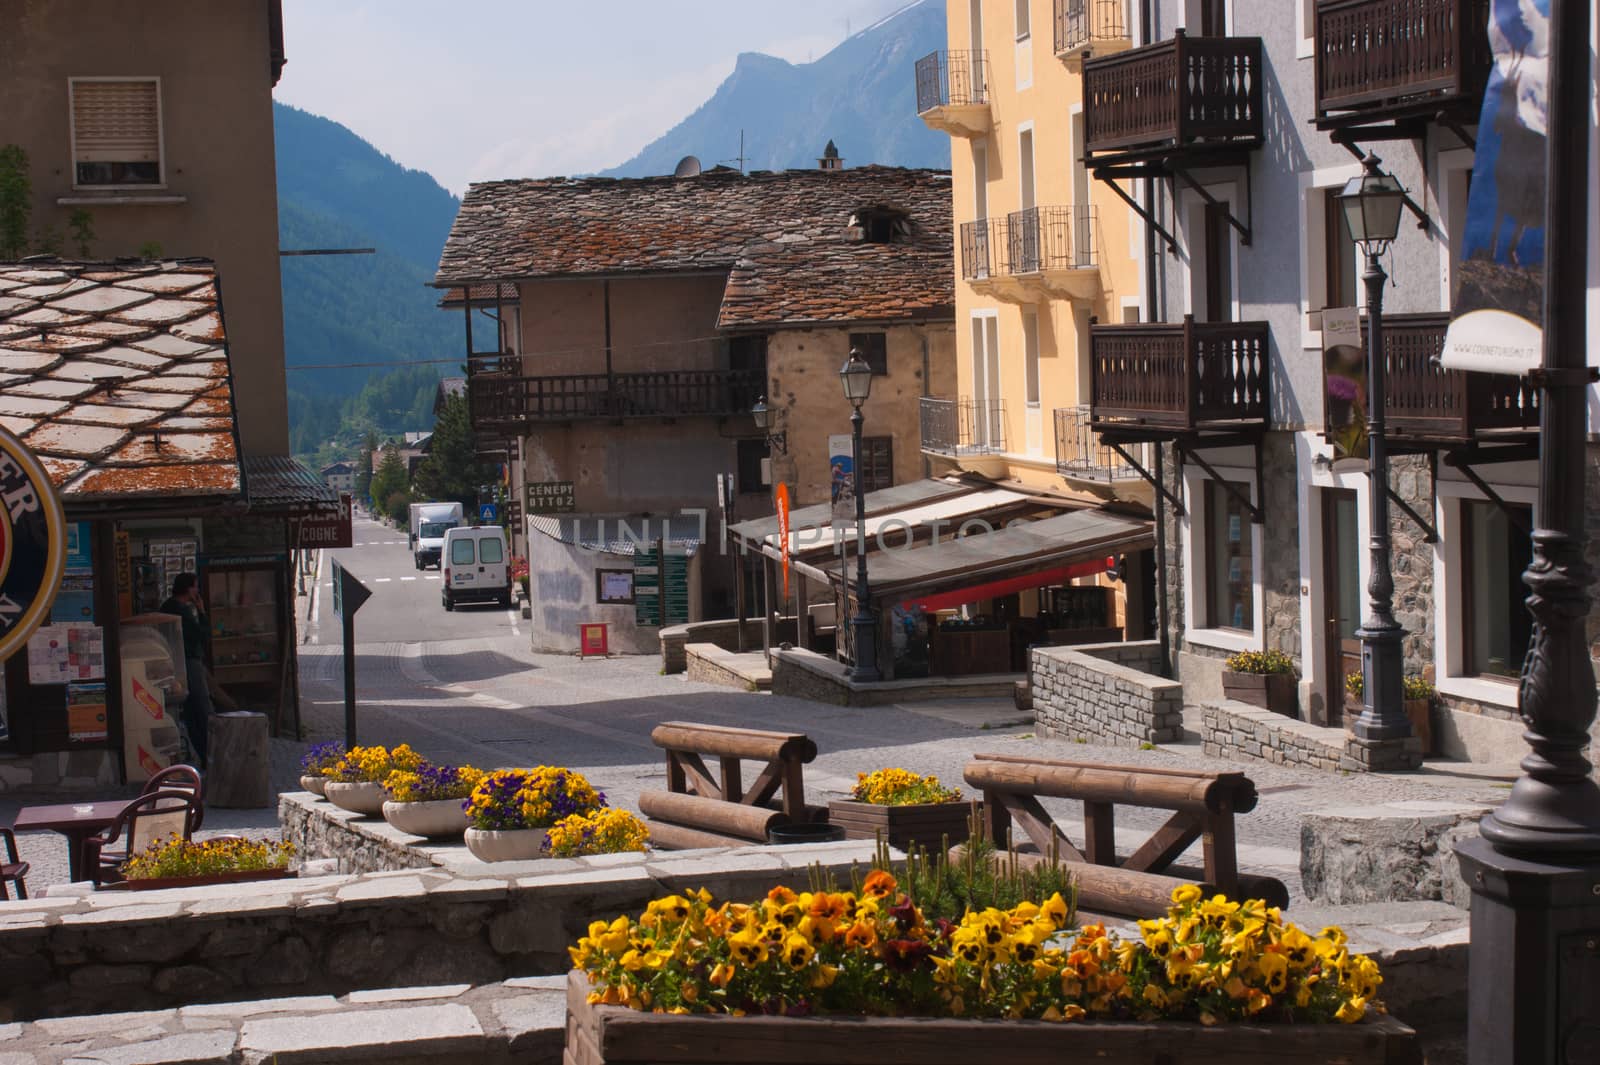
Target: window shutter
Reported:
[(116, 122)]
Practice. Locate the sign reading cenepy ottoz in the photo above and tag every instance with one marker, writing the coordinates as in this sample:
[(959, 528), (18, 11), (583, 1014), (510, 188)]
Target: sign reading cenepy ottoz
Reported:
[(33, 544)]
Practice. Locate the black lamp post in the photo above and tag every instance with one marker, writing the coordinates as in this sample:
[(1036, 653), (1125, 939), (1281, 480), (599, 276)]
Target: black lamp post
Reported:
[(1371, 205), (762, 414), (856, 377)]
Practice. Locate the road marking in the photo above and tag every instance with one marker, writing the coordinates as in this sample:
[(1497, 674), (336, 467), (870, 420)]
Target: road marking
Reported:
[(431, 577), (382, 580), (407, 578), (513, 613)]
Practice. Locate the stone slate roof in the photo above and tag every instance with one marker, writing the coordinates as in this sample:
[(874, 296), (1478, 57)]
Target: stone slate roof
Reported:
[(279, 483), (782, 236), (116, 375)]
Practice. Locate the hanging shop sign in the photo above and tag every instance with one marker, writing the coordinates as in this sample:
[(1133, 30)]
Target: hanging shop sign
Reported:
[(325, 532), (33, 544)]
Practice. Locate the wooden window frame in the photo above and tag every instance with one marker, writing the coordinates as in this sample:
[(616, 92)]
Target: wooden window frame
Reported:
[(1210, 548), (599, 585), (161, 132), (879, 340), (1469, 595), (888, 446), (1333, 239)]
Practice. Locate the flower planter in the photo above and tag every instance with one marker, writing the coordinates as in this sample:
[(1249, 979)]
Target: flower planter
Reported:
[(612, 1035), (238, 877), (1269, 691), (926, 823), (506, 845), (432, 820), (363, 797), (1419, 713), (315, 783)]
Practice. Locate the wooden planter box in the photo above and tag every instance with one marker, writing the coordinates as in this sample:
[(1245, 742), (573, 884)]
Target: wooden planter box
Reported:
[(1420, 713), (159, 883), (612, 1035), (926, 822), (1270, 691)]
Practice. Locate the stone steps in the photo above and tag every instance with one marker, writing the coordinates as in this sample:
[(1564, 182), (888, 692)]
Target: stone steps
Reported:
[(517, 1022)]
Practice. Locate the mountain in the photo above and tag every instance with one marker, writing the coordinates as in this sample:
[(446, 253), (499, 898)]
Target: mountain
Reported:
[(861, 95), (337, 191)]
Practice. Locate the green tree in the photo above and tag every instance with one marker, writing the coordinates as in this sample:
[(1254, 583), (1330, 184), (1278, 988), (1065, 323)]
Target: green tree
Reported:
[(16, 202), (369, 444), (390, 480), (451, 472)]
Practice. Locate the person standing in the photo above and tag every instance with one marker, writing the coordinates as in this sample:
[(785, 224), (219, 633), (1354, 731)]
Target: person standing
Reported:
[(186, 603)]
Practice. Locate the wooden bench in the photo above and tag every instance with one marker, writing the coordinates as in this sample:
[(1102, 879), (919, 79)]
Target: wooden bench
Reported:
[(702, 810), (1140, 884)]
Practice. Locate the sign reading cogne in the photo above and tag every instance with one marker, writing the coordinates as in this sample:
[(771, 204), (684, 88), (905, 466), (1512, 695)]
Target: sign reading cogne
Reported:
[(33, 544)]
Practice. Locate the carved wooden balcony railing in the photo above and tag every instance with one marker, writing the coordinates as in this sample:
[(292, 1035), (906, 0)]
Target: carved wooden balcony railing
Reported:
[(498, 401), (1184, 93), (957, 427), (1179, 377), (1384, 59), (1425, 403)]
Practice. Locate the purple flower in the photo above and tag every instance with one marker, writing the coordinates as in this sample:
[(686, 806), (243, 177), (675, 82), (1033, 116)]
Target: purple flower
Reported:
[(322, 756), (1342, 387)]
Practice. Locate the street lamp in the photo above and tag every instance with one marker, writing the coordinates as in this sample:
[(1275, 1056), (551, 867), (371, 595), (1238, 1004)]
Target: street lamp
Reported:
[(1371, 204), (856, 376), (762, 413)]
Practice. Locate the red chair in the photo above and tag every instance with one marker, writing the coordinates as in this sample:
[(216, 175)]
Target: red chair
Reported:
[(180, 778), (153, 816), (13, 870)]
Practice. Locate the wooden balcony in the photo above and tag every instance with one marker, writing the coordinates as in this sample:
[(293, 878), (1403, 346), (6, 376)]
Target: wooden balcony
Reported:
[(1425, 404), (1173, 379), (503, 402), (1188, 96), (953, 92), (1031, 255), (1085, 28), (1388, 60)]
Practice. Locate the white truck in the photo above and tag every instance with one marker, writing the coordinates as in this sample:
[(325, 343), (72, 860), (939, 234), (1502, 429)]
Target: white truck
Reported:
[(429, 523)]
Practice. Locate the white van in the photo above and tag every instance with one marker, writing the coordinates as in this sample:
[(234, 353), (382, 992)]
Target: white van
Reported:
[(476, 568)]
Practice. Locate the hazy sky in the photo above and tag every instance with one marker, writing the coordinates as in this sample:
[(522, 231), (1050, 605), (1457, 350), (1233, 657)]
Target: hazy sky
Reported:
[(485, 89)]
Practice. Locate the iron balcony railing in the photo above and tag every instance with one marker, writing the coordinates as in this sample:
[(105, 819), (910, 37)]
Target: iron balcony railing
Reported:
[(500, 401), (1080, 23), (957, 427), (1424, 402), (1080, 454), (1378, 57), (1030, 241), (946, 79), (1179, 377), (1187, 91)]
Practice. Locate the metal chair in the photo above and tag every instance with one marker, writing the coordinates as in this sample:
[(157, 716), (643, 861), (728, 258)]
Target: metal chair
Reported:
[(13, 870), (153, 816), (180, 778)]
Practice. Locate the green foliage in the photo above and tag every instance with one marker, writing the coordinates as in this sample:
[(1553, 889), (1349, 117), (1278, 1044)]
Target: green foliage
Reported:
[(389, 404), (150, 249), (80, 226), (452, 471), (390, 480), (1260, 662), (369, 444), (1414, 686), (398, 508), (16, 202)]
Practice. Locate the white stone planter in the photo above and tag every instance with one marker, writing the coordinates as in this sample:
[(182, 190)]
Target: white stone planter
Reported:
[(434, 820), (506, 845), (365, 797), (314, 783)]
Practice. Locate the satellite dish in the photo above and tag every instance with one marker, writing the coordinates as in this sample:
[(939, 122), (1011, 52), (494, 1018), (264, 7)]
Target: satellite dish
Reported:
[(688, 166)]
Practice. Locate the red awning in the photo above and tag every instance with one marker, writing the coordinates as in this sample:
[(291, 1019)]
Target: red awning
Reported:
[(995, 589)]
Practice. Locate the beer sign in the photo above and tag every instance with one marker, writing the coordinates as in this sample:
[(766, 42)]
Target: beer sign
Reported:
[(33, 544)]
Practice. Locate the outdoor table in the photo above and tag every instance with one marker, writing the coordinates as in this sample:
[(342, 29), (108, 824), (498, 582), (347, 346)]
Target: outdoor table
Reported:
[(77, 821)]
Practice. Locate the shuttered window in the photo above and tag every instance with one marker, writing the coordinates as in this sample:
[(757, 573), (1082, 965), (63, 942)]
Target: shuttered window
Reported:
[(116, 131), (877, 463)]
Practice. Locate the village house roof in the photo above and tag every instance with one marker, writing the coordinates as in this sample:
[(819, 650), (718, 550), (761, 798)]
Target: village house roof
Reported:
[(785, 239), (116, 375)]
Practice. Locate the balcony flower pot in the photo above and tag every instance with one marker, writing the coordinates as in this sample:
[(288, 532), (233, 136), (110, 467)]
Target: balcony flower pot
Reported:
[(1269, 691), (364, 797), (614, 1035), (436, 819), (925, 823), (314, 783), (237, 877), (506, 844)]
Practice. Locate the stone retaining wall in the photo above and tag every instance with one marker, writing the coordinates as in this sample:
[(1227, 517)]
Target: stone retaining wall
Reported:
[(319, 830), (724, 632), (708, 664), (1231, 729), (1394, 852), (478, 924), (1108, 692), (808, 675)]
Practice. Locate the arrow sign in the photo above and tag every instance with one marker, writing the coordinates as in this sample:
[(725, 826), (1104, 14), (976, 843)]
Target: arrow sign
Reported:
[(349, 594)]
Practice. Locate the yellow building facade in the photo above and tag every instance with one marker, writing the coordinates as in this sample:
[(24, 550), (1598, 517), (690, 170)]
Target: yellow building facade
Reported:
[(1040, 249)]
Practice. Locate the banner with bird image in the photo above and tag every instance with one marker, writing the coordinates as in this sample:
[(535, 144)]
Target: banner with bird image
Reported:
[(1498, 306)]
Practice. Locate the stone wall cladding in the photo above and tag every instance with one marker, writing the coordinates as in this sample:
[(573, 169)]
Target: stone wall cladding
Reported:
[(1106, 691), (808, 675), (706, 666), (1280, 544), (119, 951), (1231, 729), (318, 830), (1395, 852), (723, 632)]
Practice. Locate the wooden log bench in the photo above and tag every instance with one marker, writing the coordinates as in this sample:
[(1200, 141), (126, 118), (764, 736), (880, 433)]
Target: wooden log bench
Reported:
[(700, 809), (1141, 884)]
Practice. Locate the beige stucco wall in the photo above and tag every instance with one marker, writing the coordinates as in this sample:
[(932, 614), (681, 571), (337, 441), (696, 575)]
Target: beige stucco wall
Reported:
[(216, 111), (1046, 106), (809, 405)]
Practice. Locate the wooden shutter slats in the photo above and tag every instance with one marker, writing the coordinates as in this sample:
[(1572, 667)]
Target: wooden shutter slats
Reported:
[(116, 122)]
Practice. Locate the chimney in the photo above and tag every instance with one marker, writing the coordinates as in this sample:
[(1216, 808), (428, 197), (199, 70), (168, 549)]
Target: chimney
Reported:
[(830, 159)]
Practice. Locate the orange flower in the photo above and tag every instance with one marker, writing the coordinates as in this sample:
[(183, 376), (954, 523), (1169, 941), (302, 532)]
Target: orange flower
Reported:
[(879, 885)]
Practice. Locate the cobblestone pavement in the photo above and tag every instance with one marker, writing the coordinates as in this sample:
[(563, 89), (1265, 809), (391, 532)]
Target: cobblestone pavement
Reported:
[(490, 702)]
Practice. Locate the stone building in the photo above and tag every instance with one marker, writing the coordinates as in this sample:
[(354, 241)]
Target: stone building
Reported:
[(626, 328)]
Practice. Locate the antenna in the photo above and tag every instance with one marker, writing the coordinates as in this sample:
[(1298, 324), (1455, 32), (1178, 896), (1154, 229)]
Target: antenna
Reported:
[(688, 166), (740, 158)]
